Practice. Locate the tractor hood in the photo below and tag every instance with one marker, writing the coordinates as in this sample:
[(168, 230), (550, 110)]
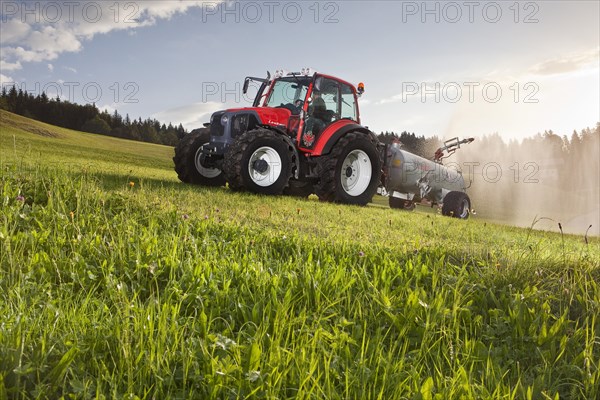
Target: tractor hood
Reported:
[(276, 117), (226, 125)]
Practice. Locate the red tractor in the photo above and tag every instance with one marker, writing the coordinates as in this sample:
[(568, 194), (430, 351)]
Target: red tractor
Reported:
[(301, 136)]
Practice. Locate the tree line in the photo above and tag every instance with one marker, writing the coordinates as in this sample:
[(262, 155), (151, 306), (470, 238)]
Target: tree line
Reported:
[(88, 118)]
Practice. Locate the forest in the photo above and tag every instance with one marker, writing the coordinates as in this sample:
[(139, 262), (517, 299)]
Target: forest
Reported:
[(88, 118)]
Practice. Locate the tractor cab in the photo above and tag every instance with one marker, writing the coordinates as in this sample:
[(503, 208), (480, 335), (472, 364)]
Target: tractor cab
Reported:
[(300, 105)]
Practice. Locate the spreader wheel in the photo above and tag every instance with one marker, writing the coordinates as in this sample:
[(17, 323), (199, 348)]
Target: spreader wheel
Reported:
[(457, 205), (188, 160)]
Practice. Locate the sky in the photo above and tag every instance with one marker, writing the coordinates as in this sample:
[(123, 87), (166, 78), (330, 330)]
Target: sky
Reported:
[(464, 68)]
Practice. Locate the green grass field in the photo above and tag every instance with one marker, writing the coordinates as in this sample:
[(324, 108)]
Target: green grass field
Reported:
[(119, 282)]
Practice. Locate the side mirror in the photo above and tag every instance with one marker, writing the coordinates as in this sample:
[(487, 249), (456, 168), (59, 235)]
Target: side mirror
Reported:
[(246, 83)]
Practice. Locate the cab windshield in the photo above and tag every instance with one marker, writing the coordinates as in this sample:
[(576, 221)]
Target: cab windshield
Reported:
[(288, 90)]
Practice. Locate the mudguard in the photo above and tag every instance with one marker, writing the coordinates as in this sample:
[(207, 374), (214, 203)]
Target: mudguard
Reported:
[(333, 133)]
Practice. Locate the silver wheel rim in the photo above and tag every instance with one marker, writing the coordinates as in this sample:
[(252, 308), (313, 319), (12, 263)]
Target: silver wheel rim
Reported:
[(273, 170), (356, 173), (205, 172)]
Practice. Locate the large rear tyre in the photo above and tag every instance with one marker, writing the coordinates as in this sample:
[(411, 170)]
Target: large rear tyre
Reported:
[(188, 160), (259, 161), (351, 173), (401, 204), (457, 205)]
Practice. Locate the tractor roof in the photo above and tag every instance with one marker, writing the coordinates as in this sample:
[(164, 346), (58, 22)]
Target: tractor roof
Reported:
[(309, 72)]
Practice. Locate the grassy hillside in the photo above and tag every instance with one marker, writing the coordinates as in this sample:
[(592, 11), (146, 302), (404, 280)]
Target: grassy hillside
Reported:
[(29, 142), (117, 281)]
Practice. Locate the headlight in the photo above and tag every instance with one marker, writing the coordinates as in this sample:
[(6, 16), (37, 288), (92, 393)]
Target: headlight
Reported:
[(239, 124), (224, 120)]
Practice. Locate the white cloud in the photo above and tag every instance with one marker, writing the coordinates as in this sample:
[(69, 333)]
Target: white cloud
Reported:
[(167, 9), (568, 64), (412, 91), (190, 116), (6, 80), (6, 66), (111, 108), (50, 67), (565, 67), (393, 99), (51, 41), (73, 70), (45, 40), (12, 31)]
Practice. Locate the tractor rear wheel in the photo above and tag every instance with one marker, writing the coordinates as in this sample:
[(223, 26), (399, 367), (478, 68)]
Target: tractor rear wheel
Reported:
[(259, 161), (457, 205), (188, 160), (401, 204), (351, 172)]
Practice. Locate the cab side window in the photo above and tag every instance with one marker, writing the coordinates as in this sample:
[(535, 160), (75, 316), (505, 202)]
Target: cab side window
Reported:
[(348, 103), (330, 101), (330, 92)]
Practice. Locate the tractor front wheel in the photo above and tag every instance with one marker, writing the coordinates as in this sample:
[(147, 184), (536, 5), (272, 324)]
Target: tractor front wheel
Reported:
[(188, 160), (259, 161), (351, 172), (457, 205)]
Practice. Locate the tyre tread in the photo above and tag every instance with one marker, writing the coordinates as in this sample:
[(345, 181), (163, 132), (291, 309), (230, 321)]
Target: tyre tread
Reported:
[(185, 151), (326, 188), (232, 165)]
